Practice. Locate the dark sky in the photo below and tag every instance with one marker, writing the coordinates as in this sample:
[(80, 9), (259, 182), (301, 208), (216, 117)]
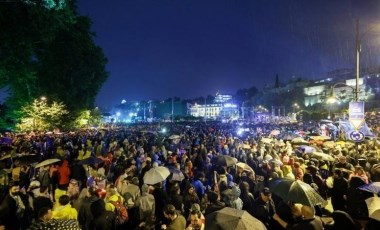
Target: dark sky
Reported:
[(188, 48)]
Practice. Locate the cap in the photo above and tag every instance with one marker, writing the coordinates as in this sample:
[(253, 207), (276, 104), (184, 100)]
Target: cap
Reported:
[(266, 191)]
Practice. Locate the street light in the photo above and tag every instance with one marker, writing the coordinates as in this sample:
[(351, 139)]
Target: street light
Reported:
[(358, 50)]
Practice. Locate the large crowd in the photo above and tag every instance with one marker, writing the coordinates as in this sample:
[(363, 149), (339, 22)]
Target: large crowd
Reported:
[(186, 175)]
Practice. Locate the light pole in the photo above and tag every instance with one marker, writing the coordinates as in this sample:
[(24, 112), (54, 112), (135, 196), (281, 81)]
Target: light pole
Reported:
[(358, 50), (357, 60)]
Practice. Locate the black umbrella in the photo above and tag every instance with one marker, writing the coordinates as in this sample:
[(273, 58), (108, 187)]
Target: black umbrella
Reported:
[(296, 191), (90, 161), (224, 160), (21, 159)]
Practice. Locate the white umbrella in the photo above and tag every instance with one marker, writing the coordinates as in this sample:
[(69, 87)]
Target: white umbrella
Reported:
[(47, 162), (323, 156), (373, 205), (156, 175), (244, 166)]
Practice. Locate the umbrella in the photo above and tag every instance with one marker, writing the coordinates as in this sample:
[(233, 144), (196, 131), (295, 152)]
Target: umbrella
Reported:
[(231, 219), (373, 205), (323, 156), (246, 146), (244, 166), (289, 137), (21, 159), (373, 187), (275, 132), (6, 148), (307, 149), (320, 138), (174, 137), (176, 175), (47, 162), (6, 141), (299, 140), (156, 175), (224, 160), (296, 191), (329, 144), (90, 161)]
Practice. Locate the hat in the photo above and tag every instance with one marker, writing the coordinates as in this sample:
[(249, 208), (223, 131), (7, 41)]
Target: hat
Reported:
[(266, 191)]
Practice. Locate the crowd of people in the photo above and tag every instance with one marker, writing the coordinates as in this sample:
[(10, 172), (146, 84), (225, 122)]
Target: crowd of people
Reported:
[(97, 181)]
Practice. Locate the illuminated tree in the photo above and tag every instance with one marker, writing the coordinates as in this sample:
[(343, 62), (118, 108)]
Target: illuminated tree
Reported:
[(41, 116)]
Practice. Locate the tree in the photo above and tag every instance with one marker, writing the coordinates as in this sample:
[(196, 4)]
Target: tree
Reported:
[(45, 47), (277, 82), (39, 115)]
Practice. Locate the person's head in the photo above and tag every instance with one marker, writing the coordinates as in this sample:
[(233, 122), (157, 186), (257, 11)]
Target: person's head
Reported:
[(191, 189), (212, 196), (64, 200), (170, 212), (338, 173), (44, 190), (307, 212), (195, 218), (98, 207), (91, 191), (44, 214), (265, 194), (14, 188), (342, 159)]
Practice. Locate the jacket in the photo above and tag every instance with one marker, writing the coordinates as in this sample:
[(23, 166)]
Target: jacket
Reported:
[(65, 212)]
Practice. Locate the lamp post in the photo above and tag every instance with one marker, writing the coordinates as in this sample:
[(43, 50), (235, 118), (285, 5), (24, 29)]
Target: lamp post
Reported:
[(358, 50)]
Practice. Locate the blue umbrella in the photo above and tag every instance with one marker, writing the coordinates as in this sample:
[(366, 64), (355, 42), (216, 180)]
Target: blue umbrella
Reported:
[(372, 187)]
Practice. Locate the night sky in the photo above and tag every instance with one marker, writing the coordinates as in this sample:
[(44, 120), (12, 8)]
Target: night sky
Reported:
[(187, 48)]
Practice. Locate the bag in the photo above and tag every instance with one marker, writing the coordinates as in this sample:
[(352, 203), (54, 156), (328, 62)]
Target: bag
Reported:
[(120, 211)]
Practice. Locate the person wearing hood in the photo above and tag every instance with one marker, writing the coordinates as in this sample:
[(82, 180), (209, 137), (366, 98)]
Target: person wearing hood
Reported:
[(13, 209), (232, 196), (64, 175), (264, 208), (85, 216), (103, 219), (145, 203), (64, 210)]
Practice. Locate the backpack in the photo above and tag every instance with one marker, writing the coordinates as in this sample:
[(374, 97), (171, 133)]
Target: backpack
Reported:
[(120, 211)]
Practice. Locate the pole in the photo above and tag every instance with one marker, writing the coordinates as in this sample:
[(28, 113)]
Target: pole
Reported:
[(357, 60), (172, 110)]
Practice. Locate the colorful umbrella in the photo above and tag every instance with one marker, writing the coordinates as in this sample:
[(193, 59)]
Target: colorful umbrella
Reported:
[(373, 187)]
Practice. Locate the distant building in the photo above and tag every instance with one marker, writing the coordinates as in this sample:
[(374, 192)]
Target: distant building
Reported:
[(222, 107)]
